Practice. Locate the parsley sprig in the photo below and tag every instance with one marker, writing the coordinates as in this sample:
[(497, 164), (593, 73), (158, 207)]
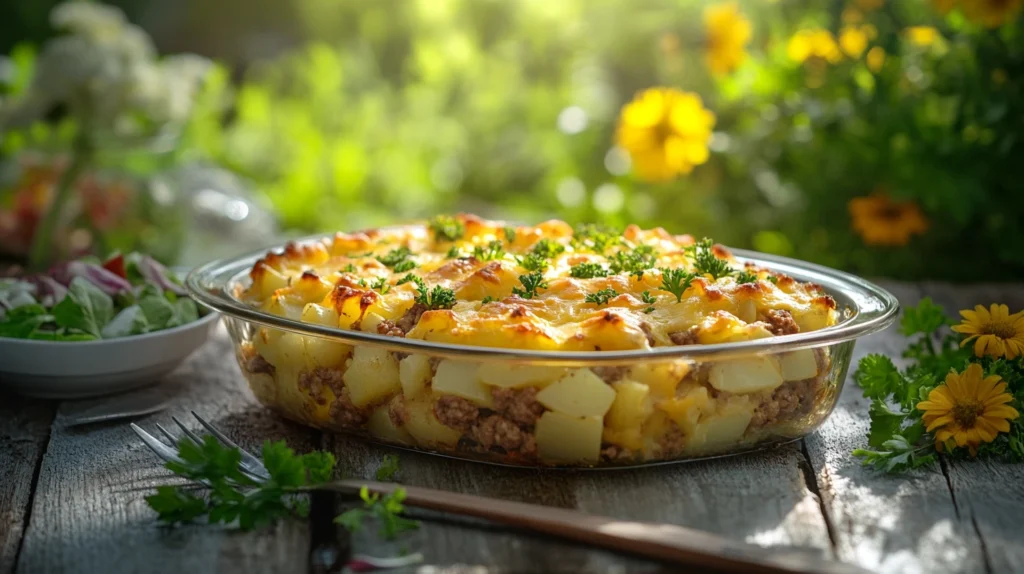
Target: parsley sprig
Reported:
[(676, 281), (447, 228), (646, 297), (601, 297), (705, 262), (634, 262), (387, 510), (493, 250), (437, 298), (547, 248), (398, 259), (531, 283), (746, 277), (231, 495), (532, 262), (595, 237), (588, 270)]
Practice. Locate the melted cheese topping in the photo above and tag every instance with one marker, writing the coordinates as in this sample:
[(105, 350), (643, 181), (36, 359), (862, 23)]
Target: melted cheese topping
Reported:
[(331, 283)]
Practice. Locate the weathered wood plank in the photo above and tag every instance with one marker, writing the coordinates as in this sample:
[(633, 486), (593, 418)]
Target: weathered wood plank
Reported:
[(761, 498), (989, 494), (89, 514), (907, 523), (24, 432)]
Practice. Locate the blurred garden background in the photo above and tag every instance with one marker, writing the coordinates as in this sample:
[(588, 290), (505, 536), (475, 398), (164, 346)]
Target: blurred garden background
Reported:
[(885, 137)]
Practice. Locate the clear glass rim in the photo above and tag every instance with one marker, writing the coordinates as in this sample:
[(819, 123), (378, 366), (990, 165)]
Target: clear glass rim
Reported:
[(867, 307)]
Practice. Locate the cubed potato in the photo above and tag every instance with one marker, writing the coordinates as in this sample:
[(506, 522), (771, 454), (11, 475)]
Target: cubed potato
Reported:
[(565, 438), (291, 350), (283, 307), (746, 375), (746, 311), (721, 430), (662, 378), (581, 393), (631, 406), (372, 376), (459, 378), (798, 365), (319, 315), (687, 409), (631, 438), (520, 376), (381, 426), (424, 427), (265, 343), (818, 317), (370, 322), (414, 372), (271, 280), (321, 352)]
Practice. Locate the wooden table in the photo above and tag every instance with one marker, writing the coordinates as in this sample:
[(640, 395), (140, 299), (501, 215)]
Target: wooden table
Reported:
[(71, 500)]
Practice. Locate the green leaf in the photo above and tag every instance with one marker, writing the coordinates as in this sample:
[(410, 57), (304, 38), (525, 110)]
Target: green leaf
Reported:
[(85, 308), (925, 318), (21, 322), (878, 377), (158, 311), (284, 467), (319, 466), (174, 505), (351, 520), (884, 423), (388, 467)]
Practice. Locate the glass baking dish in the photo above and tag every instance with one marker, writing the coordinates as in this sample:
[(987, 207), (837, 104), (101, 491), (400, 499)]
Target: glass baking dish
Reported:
[(546, 408)]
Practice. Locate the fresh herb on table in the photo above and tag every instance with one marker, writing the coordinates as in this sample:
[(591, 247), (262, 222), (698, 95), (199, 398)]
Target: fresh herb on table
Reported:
[(447, 228), (231, 495), (588, 271), (705, 262), (915, 412), (649, 299), (85, 300), (531, 283), (601, 297), (547, 248), (437, 298), (493, 250), (635, 262), (676, 281)]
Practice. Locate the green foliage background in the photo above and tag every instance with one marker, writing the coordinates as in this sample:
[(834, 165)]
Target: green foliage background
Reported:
[(394, 109)]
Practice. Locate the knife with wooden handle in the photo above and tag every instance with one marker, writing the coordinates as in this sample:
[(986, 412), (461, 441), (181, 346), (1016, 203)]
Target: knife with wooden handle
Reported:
[(663, 542)]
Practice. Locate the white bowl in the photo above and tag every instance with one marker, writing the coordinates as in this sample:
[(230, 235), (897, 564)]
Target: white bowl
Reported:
[(72, 370)]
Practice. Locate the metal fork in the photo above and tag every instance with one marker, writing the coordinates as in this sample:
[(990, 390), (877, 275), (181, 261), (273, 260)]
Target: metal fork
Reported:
[(663, 542)]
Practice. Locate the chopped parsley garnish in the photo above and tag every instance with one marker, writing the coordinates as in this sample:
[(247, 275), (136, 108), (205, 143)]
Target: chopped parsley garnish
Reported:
[(746, 277), (487, 299), (437, 298), (380, 284), (493, 250), (705, 262), (454, 252), (447, 228), (601, 297), (510, 234), (773, 279), (596, 237), (547, 248), (411, 277), (349, 268), (588, 270), (531, 283), (634, 262), (398, 259), (532, 262), (676, 281), (646, 297)]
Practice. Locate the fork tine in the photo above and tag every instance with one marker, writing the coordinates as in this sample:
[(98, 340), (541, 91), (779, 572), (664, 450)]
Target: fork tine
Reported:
[(162, 450), (191, 435), (250, 462), (173, 439)]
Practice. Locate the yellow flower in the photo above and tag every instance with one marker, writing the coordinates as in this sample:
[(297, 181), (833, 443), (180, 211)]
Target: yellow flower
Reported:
[(997, 332), (990, 13), (854, 39), (813, 43), (968, 409), (875, 59), (728, 33), (882, 221), (923, 36), (666, 133)]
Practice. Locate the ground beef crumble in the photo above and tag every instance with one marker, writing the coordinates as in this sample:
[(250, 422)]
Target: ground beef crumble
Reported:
[(315, 382), (786, 402), (497, 430), (616, 453), (404, 324), (397, 411), (672, 442), (610, 374), (345, 413), (687, 337), (388, 328), (520, 406), (781, 322), (456, 412), (646, 328), (254, 362)]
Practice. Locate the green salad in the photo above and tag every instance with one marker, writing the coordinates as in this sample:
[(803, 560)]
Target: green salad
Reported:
[(87, 299)]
